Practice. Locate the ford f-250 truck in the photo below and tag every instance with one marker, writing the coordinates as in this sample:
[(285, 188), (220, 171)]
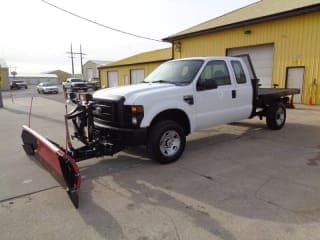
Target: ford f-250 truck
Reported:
[(75, 84), (179, 97)]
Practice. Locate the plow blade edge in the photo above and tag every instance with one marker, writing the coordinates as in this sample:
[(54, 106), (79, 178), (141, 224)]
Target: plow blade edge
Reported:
[(55, 160)]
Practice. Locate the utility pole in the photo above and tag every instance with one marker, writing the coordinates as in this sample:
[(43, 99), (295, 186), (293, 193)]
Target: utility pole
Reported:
[(81, 57), (81, 60), (72, 57)]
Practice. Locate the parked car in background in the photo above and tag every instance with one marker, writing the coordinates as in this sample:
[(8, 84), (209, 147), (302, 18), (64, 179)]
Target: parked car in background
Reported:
[(18, 84), (47, 87), (75, 84)]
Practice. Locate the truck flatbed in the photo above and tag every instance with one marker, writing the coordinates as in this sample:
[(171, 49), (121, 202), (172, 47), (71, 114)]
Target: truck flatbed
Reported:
[(268, 95)]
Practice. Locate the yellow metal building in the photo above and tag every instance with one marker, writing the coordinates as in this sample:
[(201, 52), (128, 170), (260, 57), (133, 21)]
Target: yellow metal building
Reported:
[(133, 69), (62, 75), (4, 75), (90, 69), (281, 37)]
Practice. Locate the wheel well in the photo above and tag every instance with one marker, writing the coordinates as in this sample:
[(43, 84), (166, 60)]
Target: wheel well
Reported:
[(176, 115)]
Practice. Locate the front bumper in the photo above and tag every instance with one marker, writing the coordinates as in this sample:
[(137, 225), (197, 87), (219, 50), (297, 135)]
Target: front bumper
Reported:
[(127, 137), (51, 90), (77, 88)]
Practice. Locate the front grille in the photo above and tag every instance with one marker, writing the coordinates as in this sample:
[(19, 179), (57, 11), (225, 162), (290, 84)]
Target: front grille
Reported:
[(80, 85), (106, 112)]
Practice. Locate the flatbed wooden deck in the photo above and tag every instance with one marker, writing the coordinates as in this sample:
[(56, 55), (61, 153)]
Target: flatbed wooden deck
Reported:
[(277, 92), (268, 95)]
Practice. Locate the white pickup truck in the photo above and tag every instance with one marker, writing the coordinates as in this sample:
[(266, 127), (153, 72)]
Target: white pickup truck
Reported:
[(74, 84), (183, 96), (178, 98)]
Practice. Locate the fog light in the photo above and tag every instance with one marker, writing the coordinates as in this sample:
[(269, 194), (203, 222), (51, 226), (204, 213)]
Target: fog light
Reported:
[(134, 121)]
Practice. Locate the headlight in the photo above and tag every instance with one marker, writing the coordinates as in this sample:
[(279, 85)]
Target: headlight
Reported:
[(134, 121), (134, 115)]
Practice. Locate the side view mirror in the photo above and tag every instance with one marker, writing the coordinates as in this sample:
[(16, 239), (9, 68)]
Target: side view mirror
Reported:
[(206, 84)]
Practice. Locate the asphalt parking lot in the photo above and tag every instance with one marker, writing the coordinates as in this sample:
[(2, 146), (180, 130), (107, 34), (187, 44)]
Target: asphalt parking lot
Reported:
[(236, 181)]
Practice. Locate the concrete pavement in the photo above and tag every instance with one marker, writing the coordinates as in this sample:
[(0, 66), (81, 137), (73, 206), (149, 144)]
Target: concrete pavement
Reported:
[(237, 181)]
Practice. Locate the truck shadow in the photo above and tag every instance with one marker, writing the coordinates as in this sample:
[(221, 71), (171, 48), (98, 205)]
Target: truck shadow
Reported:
[(179, 189)]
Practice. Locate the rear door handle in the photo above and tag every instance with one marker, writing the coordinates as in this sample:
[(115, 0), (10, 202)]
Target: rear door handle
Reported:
[(234, 93)]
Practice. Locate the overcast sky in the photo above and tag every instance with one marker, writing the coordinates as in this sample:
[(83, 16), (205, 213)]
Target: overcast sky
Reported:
[(35, 37)]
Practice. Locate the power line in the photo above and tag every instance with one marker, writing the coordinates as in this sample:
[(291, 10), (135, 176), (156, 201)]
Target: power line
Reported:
[(99, 24)]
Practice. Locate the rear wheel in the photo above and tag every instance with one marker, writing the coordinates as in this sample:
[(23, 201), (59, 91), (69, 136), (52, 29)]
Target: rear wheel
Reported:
[(276, 116), (166, 141)]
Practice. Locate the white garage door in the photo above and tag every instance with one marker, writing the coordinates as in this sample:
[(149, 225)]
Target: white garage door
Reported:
[(137, 76), (89, 74), (295, 76), (262, 61), (112, 79)]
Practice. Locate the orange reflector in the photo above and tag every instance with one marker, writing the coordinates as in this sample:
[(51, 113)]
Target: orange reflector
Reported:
[(137, 109)]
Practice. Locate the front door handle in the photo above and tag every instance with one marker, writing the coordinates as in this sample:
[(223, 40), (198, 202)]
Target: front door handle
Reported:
[(188, 99), (234, 93)]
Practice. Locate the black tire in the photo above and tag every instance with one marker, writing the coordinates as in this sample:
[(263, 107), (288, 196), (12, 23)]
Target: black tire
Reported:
[(38, 91), (163, 133), (276, 116)]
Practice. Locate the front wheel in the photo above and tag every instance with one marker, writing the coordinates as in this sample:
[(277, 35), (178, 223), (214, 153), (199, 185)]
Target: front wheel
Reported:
[(166, 141), (276, 116)]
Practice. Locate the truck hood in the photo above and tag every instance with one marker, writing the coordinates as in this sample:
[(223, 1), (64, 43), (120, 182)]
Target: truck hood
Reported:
[(131, 92)]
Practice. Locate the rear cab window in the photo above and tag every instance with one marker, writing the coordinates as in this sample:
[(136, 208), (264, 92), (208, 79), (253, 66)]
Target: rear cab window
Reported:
[(238, 72)]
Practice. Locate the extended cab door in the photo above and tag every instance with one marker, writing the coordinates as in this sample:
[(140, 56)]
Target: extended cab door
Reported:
[(244, 91), (217, 105)]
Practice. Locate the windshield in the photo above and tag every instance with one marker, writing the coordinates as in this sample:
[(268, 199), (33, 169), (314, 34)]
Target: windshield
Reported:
[(76, 80), (48, 84), (176, 72)]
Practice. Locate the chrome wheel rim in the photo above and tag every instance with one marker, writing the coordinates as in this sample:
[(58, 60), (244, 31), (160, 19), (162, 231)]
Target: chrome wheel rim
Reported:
[(170, 143), (280, 116)]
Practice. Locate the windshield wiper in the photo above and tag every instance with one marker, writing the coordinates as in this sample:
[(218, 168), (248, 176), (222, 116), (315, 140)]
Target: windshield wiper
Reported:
[(162, 81)]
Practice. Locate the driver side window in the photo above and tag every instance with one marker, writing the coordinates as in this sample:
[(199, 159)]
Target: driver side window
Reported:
[(216, 70)]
